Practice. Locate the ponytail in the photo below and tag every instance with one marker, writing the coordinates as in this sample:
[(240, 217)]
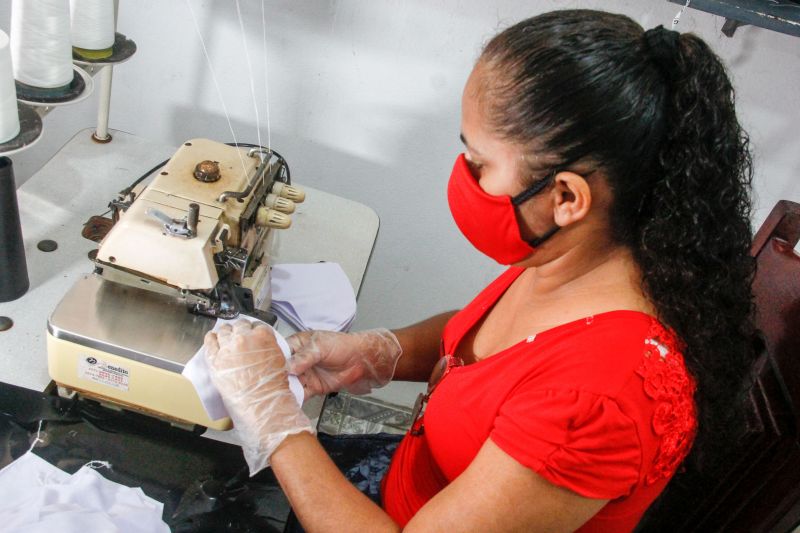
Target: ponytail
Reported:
[(694, 238)]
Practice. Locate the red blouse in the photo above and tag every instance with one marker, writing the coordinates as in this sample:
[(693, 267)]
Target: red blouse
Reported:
[(602, 406)]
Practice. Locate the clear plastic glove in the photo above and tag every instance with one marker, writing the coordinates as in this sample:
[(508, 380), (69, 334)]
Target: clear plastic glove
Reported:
[(249, 370), (328, 361)]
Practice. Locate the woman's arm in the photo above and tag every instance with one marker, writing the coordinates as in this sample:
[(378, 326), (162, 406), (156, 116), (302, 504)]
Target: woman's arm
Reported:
[(495, 493), (420, 343), (321, 497), (329, 361)]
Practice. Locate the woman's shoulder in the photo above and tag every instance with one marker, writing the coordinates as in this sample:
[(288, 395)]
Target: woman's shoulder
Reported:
[(599, 353), (629, 365)]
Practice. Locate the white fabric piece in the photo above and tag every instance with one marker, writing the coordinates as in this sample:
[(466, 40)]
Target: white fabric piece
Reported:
[(37, 497), (313, 296), (196, 371), (286, 311)]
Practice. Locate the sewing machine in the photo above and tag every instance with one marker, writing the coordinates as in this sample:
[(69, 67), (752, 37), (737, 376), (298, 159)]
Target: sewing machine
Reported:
[(191, 246)]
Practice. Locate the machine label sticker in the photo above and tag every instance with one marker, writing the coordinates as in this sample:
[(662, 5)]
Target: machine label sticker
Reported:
[(104, 373)]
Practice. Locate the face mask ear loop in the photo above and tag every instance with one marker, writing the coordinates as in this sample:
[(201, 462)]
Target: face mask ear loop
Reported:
[(529, 193), (535, 243), (534, 189)]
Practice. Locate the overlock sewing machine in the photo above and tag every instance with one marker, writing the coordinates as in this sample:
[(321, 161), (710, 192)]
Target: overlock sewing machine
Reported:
[(191, 246)]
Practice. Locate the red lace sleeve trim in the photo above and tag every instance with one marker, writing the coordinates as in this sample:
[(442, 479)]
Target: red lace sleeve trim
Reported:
[(668, 382)]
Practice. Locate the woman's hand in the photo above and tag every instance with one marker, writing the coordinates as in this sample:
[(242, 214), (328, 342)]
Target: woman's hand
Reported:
[(327, 361), (249, 371)]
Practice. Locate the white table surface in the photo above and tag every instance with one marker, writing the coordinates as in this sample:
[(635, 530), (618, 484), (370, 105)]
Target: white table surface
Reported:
[(80, 180)]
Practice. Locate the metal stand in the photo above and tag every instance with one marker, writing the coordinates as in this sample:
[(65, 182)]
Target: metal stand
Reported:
[(122, 50), (31, 111), (101, 134)]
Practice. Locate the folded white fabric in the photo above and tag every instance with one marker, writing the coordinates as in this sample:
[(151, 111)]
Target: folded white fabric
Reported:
[(37, 497), (196, 371), (313, 296)]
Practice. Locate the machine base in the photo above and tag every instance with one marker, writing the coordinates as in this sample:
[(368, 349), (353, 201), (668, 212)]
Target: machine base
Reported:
[(127, 383)]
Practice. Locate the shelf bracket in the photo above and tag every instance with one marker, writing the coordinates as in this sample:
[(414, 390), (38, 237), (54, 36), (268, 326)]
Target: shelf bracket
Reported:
[(729, 28)]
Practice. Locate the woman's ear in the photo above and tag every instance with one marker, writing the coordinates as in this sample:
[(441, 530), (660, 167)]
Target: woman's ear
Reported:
[(572, 198)]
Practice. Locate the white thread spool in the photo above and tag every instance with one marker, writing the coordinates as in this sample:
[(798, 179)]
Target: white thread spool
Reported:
[(40, 43), (9, 116), (92, 24)]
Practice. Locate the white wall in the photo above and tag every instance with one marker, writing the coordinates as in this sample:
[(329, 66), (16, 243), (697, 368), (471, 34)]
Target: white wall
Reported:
[(365, 103)]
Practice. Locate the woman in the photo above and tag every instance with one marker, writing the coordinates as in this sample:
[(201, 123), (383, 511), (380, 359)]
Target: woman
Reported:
[(607, 166)]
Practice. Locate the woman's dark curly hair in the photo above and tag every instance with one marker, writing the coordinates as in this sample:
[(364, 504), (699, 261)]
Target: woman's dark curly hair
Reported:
[(654, 112)]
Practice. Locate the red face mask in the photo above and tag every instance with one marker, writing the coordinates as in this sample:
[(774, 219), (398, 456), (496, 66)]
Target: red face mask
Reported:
[(490, 222)]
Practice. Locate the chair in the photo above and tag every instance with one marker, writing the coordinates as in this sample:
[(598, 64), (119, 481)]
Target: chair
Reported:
[(758, 489)]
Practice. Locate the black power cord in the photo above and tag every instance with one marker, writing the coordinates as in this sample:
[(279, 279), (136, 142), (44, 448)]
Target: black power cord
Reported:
[(126, 191), (286, 176)]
